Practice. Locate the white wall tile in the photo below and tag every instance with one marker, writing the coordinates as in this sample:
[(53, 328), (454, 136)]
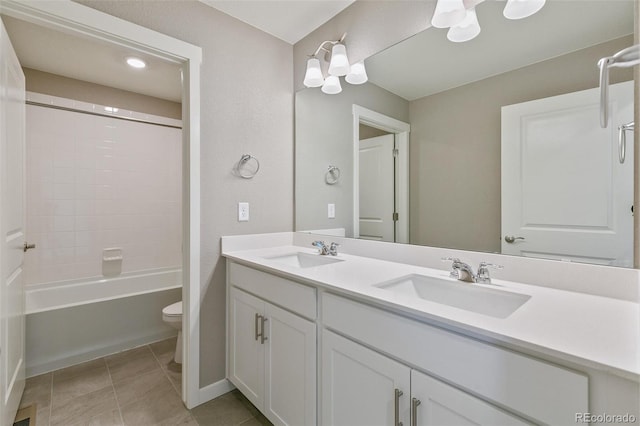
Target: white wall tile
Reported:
[(95, 182)]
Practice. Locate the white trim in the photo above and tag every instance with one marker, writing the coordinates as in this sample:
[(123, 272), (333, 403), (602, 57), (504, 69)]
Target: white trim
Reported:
[(216, 389), (73, 18), (401, 130)]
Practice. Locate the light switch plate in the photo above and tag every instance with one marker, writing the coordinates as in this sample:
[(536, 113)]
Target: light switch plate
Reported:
[(331, 211), (243, 212)]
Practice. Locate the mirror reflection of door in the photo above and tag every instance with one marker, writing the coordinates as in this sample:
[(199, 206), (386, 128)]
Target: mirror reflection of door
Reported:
[(377, 183)]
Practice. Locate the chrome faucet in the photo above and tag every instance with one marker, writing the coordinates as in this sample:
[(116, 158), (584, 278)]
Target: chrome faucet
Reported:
[(324, 250), (464, 272)]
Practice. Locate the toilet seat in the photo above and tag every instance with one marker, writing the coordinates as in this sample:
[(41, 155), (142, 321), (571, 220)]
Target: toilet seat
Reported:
[(173, 310)]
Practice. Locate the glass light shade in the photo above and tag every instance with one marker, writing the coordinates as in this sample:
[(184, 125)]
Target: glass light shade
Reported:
[(339, 64), (331, 85), (465, 30), (448, 13), (357, 74), (313, 77), (518, 9)]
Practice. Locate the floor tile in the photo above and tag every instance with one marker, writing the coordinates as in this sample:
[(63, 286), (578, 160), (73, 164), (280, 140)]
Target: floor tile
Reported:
[(164, 350), (110, 418), (37, 390), (83, 408), (131, 363), (141, 387), (188, 421), (228, 409), (79, 380), (160, 407)]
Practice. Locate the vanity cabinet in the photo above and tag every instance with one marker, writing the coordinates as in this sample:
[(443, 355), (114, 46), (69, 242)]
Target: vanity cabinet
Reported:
[(363, 387), (272, 354)]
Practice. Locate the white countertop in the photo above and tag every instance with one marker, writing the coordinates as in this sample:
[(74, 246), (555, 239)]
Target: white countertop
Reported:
[(594, 331)]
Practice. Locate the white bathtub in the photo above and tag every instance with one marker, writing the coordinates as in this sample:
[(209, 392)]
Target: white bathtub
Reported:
[(75, 321), (65, 294)]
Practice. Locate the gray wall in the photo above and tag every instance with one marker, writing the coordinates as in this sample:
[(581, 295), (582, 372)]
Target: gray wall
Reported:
[(246, 107), (324, 136), (64, 87), (455, 146)]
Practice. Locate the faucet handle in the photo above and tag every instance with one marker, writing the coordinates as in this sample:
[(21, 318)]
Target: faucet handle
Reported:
[(321, 246), (483, 275), (333, 249), (455, 272)]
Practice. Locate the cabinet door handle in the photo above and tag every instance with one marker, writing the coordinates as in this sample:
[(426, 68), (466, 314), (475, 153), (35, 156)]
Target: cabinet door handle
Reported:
[(414, 411), (262, 336), (258, 316), (396, 408)]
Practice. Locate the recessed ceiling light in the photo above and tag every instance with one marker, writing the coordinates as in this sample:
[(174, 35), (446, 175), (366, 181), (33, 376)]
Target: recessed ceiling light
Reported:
[(136, 62)]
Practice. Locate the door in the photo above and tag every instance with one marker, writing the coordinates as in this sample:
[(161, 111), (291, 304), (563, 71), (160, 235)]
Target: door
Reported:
[(438, 404), (565, 194), (290, 357), (376, 183), (359, 385), (12, 113), (246, 350)]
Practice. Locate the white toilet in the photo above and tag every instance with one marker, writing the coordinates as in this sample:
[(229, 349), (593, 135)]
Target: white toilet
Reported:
[(172, 315)]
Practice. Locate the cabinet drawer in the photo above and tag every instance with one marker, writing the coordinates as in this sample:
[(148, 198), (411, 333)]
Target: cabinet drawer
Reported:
[(533, 388), (292, 296)]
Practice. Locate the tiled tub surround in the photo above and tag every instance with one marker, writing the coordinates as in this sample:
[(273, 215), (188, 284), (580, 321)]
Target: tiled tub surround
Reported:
[(583, 317), (98, 182)]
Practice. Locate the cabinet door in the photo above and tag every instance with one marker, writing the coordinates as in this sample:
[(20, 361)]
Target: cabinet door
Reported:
[(358, 385), (246, 352), (290, 396), (444, 405)]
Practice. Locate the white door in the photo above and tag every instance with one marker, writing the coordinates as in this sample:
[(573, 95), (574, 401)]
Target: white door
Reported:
[(565, 194), (438, 404), (290, 351), (376, 183), (246, 350), (359, 385), (12, 113)]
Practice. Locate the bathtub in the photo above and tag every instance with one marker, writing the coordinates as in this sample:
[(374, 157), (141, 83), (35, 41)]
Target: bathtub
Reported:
[(75, 321), (65, 294)]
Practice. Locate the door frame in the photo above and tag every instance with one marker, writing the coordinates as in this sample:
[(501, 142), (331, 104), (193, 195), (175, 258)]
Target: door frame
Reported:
[(76, 19), (401, 130)]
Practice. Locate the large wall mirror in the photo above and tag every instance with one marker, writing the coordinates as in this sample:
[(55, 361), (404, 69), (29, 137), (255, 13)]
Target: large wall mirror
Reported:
[(490, 145)]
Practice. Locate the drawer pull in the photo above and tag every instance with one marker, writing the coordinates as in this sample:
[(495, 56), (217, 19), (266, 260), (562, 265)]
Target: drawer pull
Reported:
[(262, 336), (258, 316), (414, 411), (396, 415)]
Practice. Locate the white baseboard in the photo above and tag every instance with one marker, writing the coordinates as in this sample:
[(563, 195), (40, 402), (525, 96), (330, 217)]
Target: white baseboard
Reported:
[(214, 390)]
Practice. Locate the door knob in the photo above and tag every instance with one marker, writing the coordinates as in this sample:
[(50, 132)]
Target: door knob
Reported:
[(510, 238), (28, 246)]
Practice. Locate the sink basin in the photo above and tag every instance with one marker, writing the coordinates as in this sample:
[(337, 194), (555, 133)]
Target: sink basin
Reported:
[(303, 260), (470, 297)]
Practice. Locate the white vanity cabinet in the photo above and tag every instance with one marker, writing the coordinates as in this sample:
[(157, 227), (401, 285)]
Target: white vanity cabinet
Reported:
[(272, 351), (363, 387), (482, 383)]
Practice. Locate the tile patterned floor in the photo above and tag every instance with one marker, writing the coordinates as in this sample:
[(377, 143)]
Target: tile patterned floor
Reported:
[(139, 387)]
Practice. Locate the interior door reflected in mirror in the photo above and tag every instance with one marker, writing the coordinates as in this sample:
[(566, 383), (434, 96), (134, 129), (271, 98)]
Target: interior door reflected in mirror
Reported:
[(503, 140)]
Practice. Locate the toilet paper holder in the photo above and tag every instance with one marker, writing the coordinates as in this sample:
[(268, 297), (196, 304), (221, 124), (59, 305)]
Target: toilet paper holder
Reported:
[(112, 254)]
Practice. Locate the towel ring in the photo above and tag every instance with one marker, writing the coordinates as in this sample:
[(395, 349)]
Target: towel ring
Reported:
[(243, 161), (332, 176)]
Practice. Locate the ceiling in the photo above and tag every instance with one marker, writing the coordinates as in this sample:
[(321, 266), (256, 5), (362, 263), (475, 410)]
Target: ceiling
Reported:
[(89, 60), (289, 20), (428, 63)]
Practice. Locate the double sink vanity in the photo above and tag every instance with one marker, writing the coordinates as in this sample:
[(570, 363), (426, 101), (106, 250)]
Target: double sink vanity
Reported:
[(381, 334)]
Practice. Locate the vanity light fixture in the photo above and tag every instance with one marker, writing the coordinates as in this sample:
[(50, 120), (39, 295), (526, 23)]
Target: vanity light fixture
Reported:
[(463, 23), (136, 63), (338, 67)]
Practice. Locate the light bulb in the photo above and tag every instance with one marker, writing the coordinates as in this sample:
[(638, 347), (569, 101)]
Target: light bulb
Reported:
[(357, 74), (339, 64), (136, 63), (518, 9), (331, 85), (313, 77), (448, 13), (466, 30)]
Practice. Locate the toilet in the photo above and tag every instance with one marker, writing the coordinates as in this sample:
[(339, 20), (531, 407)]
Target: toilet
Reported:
[(172, 315)]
